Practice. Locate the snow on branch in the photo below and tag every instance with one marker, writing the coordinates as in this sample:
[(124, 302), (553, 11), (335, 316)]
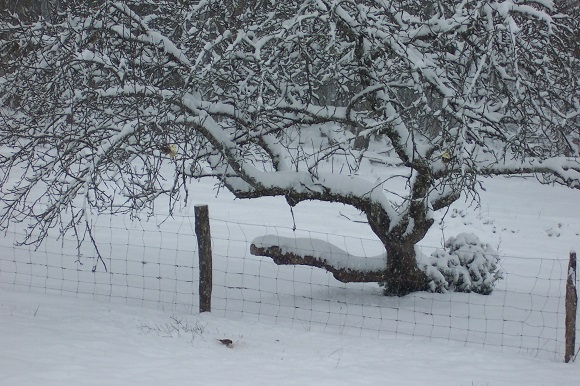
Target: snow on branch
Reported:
[(151, 36), (345, 267), (567, 169)]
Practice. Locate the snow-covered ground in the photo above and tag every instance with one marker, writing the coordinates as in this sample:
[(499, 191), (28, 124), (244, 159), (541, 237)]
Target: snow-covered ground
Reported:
[(132, 331), (50, 340)]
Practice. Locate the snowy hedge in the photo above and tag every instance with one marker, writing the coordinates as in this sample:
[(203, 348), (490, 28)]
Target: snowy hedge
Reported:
[(465, 265)]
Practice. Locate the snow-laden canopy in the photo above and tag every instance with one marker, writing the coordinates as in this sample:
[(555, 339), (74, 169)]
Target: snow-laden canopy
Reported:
[(285, 98)]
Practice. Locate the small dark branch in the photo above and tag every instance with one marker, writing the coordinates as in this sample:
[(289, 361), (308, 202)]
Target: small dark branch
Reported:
[(352, 220), (340, 274), (94, 242)]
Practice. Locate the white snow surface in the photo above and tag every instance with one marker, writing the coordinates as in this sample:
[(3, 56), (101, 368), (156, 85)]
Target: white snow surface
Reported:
[(49, 340)]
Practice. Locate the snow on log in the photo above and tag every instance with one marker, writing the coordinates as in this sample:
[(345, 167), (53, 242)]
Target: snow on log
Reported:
[(345, 267)]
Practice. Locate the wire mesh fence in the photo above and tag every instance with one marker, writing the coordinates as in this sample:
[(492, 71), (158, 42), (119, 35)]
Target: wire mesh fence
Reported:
[(152, 264), (143, 264)]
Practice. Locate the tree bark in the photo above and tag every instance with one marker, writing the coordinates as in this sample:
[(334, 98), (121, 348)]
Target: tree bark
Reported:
[(341, 274), (403, 276)]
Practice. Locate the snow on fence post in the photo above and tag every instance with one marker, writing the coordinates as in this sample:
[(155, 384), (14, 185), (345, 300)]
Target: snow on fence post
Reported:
[(571, 303), (203, 234)]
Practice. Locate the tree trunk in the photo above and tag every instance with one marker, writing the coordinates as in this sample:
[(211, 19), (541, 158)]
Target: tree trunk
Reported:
[(403, 276)]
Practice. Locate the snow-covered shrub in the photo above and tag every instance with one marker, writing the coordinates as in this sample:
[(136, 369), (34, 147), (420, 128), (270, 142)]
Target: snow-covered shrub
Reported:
[(465, 265)]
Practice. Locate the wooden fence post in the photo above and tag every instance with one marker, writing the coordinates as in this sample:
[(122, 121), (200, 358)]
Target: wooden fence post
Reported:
[(203, 234), (571, 303)]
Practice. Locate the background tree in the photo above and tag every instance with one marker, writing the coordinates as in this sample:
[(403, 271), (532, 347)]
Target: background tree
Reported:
[(100, 100)]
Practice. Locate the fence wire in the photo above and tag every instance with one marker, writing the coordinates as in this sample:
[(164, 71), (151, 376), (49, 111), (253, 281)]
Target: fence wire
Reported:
[(156, 265)]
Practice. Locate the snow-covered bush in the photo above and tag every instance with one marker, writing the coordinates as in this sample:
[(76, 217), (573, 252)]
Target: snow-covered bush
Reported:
[(465, 265)]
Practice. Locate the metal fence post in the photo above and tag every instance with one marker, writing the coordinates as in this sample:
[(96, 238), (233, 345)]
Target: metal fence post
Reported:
[(203, 234)]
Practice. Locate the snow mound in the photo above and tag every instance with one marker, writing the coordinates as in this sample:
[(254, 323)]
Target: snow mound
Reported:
[(465, 265)]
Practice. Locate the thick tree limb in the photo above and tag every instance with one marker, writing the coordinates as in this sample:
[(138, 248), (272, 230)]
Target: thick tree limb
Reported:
[(344, 275)]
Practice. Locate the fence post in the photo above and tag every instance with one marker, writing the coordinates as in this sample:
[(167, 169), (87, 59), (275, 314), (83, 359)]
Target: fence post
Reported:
[(203, 234), (571, 303)]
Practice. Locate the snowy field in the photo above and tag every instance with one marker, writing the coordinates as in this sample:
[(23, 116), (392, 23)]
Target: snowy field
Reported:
[(137, 323), (51, 340)]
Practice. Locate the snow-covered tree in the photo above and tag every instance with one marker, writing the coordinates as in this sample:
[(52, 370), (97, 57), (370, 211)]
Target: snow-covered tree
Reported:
[(270, 97)]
